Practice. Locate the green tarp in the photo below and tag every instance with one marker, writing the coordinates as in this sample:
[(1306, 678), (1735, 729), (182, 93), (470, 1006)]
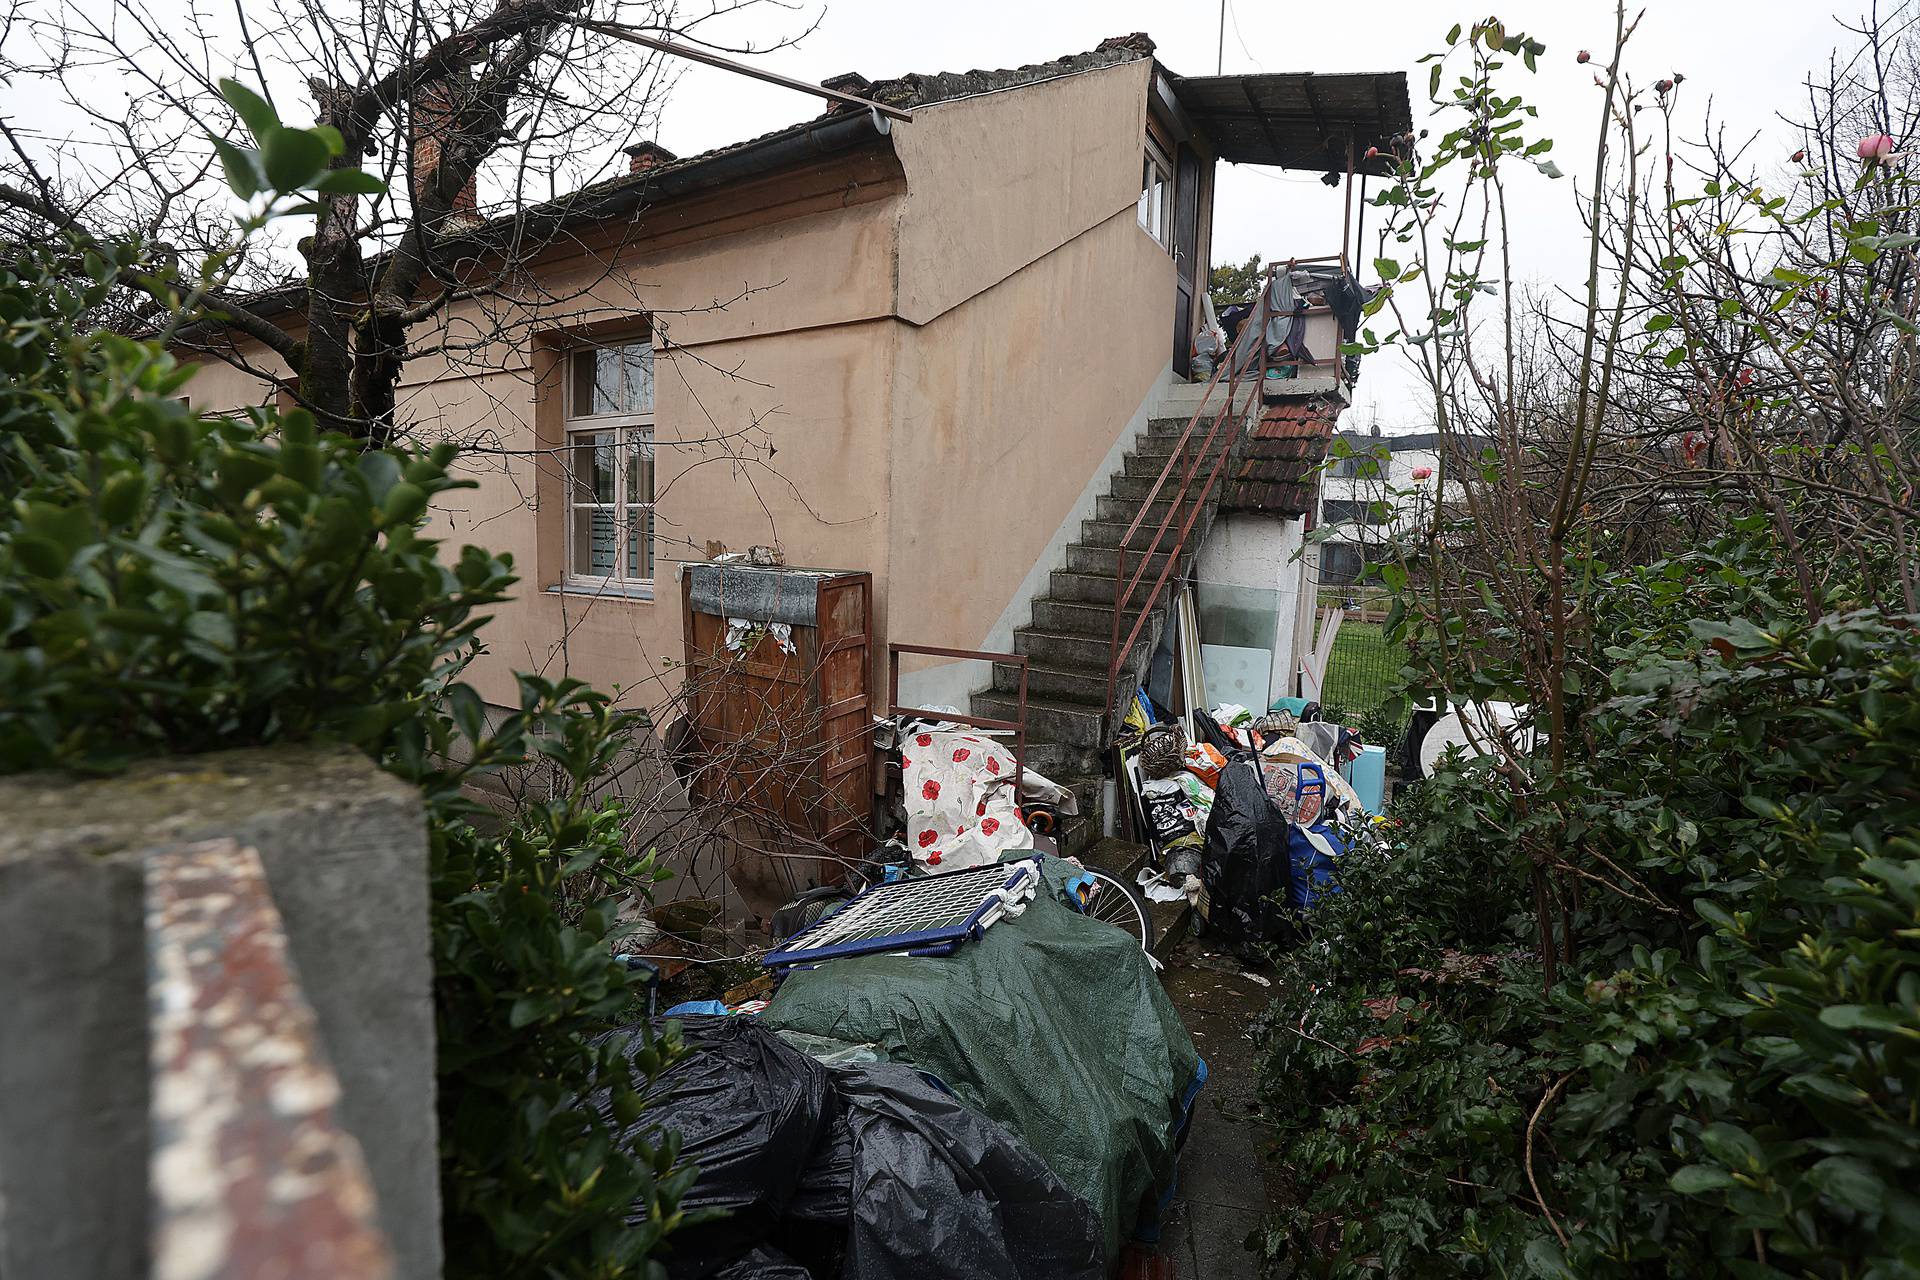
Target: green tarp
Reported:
[(1052, 1024)]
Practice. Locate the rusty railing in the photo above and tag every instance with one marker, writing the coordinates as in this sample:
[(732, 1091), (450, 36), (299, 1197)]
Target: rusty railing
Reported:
[(1247, 356), (1019, 726)]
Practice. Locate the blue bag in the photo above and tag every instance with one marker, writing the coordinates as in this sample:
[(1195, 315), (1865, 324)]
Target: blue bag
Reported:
[(1312, 849)]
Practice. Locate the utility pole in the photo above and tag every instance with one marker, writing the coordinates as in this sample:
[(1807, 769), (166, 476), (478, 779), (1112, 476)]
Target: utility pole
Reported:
[(1220, 54)]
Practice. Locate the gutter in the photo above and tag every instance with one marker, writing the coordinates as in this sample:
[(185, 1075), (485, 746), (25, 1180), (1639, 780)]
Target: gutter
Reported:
[(806, 142)]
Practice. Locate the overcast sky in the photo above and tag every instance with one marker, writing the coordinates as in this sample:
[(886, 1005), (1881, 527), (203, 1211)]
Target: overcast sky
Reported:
[(1749, 57)]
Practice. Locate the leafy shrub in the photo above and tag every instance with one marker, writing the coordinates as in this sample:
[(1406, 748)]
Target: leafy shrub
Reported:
[(1725, 1080), (173, 584)]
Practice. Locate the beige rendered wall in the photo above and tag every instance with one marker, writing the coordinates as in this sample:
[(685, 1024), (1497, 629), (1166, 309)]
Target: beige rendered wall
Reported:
[(997, 181), (800, 363), (939, 372), (1048, 318)]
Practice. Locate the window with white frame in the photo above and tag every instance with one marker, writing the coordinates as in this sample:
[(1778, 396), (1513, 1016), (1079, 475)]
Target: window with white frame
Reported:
[(1155, 211), (609, 467)]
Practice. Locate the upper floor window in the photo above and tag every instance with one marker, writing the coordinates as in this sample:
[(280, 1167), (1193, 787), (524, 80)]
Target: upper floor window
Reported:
[(609, 467), (1341, 563), (1155, 210)]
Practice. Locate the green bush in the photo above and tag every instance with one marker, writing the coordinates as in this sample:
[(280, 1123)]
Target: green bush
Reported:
[(173, 584), (1726, 1079)]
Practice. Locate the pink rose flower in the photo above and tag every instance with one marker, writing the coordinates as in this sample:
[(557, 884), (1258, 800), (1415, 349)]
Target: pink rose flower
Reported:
[(1423, 473), (1876, 148)]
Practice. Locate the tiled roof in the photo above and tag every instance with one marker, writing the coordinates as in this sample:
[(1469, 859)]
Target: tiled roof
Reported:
[(599, 199), (1276, 473), (915, 89), (919, 90)]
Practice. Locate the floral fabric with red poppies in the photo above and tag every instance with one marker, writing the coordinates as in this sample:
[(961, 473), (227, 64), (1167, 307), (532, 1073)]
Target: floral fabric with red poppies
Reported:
[(960, 800)]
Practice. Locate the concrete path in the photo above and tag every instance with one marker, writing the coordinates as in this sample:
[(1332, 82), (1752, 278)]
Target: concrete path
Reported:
[(1226, 1186)]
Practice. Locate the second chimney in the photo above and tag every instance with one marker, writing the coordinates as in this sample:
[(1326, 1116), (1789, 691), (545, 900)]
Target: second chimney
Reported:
[(434, 112), (642, 156)]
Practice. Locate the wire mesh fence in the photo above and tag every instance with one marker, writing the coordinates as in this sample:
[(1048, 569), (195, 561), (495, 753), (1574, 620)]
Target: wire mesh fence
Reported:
[(1362, 674)]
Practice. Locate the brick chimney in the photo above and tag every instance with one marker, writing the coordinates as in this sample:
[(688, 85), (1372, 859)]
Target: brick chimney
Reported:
[(846, 82), (434, 108), (642, 156)]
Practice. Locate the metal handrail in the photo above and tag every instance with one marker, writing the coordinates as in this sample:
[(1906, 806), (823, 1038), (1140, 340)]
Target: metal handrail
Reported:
[(1235, 365), (1018, 725)]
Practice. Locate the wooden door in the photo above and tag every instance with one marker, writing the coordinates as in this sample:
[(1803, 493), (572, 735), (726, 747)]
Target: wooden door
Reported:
[(1185, 247)]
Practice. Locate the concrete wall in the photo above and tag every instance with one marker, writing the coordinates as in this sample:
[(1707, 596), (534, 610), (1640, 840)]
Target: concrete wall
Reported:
[(344, 849), (1047, 315), (999, 181), (798, 361)]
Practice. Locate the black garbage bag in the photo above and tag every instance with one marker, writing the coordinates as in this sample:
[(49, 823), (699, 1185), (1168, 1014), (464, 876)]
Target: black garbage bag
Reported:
[(763, 1263), (750, 1111), (1245, 868), (852, 1173), (939, 1190)]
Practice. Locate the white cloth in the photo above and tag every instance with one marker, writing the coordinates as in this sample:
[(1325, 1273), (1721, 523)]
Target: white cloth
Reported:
[(961, 810)]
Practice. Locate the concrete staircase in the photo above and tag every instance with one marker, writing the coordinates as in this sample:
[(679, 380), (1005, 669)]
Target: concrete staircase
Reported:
[(1070, 638)]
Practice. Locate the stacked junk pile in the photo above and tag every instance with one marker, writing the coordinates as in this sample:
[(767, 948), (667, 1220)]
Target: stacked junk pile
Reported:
[(1244, 816), (961, 1067)]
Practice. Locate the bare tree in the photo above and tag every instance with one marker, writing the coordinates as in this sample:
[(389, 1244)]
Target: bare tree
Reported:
[(492, 125)]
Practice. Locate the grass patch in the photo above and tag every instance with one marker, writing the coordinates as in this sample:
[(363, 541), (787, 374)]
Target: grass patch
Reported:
[(1363, 668)]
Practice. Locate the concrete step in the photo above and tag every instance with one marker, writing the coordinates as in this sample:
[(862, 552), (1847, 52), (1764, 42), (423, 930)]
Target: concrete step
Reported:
[(1080, 588), (1058, 720), (1148, 466), (1168, 428), (1067, 650), (1086, 685), (1103, 560), (1061, 760), (1172, 921), (1152, 446), (1107, 533), (1133, 488), (1076, 833), (1082, 830), (1124, 509), (1078, 616), (1121, 859)]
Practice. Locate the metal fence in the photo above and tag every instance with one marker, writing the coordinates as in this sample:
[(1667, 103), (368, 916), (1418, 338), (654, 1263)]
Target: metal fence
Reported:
[(1363, 672)]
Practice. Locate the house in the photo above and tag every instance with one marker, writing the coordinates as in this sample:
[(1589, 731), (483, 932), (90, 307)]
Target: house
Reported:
[(951, 351), (1372, 491)]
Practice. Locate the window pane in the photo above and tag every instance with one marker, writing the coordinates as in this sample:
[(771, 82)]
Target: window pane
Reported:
[(639, 451), (581, 398), (616, 379), (590, 466), (637, 364), (640, 543), (640, 468), (594, 541)]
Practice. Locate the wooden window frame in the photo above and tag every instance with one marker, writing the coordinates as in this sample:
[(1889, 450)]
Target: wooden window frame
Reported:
[(1156, 160), (631, 428)]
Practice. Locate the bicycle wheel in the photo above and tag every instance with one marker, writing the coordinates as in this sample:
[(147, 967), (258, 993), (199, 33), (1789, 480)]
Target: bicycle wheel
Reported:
[(1115, 902)]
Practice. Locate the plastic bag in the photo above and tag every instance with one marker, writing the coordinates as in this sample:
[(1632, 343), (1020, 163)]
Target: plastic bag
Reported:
[(750, 1110), (1246, 871), (1204, 761), (940, 1191)]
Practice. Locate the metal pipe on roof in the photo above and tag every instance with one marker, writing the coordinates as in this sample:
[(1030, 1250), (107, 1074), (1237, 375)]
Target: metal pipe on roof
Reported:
[(1346, 213), (741, 68)]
